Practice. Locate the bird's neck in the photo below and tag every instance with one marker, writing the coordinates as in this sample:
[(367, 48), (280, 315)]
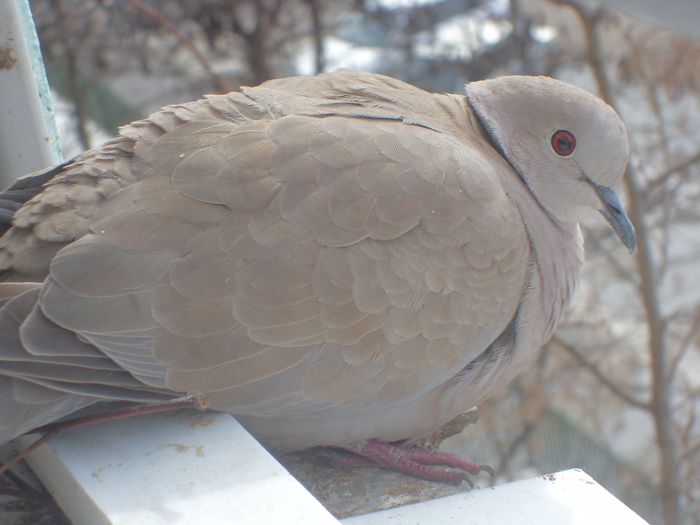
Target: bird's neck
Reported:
[(556, 258), (556, 248)]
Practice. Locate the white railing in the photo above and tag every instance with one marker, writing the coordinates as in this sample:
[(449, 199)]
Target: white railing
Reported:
[(28, 138)]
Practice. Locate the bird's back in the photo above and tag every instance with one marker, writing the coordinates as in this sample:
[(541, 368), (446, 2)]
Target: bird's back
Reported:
[(331, 258)]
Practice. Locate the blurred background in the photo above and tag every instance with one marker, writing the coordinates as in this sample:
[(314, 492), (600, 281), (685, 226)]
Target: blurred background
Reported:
[(617, 391)]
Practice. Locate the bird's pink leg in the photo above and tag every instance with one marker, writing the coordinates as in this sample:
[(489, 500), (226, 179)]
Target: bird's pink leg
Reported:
[(424, 464)]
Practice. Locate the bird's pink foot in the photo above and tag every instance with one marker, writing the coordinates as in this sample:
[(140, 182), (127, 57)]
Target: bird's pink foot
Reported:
[(425, 464)]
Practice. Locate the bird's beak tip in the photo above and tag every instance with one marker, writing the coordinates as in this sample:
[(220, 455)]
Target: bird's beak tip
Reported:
[(614, 213)]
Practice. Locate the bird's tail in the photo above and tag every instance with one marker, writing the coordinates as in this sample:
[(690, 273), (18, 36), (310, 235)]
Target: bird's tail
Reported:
[(47, 372), (25, 404)]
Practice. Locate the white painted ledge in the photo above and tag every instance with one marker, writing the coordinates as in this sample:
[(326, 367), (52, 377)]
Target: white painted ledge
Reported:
[(184, 468), (565, 498), (190, 468)]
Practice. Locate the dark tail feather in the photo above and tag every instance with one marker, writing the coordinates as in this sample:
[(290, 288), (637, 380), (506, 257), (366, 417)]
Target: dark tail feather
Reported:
[(23, 190)]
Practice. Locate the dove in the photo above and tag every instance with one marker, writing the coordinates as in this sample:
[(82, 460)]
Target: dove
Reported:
[(342, 260)]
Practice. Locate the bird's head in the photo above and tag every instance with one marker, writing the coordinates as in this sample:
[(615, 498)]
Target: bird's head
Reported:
[(568, 146)]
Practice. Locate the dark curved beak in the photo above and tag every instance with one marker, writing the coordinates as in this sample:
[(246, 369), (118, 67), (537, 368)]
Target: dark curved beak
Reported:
[(614, 213)]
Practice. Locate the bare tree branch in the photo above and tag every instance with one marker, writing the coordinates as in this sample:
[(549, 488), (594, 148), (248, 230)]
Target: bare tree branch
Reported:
[(660, 404), (610, 383), (690, 452), (661, 178), (594, 242), (686, 343), (315, 7), (220, 84)]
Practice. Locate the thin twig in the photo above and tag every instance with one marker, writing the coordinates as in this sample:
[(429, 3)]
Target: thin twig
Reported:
[(519, 441), (198, 401), (609, 255), (17, 480), (679, 166), (19, 457), (221, 85), (686, 343), (604, 379), (690, 451), (32, 496)]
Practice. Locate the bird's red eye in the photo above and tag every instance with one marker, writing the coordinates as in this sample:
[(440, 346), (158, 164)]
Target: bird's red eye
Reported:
[(563, 143)]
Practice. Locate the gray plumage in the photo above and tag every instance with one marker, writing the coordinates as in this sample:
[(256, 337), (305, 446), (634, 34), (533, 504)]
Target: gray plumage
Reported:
[(330, 258)]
